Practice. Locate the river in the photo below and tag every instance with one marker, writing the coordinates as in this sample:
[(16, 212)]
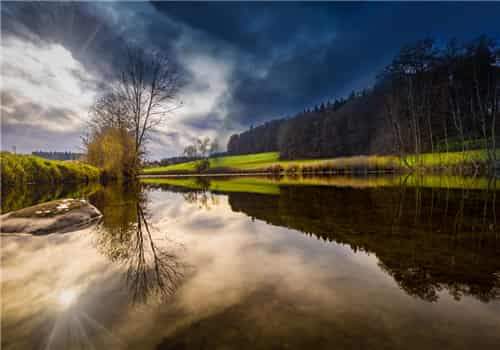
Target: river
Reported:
[(257, 263)]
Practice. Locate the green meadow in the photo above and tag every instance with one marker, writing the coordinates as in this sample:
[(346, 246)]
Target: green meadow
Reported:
[(270, 162)]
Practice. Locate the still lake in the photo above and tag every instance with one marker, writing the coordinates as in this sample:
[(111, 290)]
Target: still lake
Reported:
[(248, 263)]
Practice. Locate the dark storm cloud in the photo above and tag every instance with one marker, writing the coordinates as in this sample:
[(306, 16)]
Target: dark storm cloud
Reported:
[(313, 51), (79, 27)]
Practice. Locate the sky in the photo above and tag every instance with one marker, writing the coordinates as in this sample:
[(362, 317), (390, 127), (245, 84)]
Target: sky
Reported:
[(241, 63)]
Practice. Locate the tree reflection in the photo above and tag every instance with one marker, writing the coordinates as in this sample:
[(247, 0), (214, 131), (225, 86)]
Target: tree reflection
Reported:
[(127, 237), (199, 194), (427, 239), (151, 268), (203, 199)]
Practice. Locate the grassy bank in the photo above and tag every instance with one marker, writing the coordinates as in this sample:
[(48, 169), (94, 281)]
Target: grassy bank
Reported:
[(24, 169), (456, 162)]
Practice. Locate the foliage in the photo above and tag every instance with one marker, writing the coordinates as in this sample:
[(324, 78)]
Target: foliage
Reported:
[(58, 155), (25, 169), (112, 150)]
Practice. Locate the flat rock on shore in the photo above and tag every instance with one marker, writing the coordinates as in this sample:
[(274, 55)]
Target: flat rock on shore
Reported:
[(63, 215)]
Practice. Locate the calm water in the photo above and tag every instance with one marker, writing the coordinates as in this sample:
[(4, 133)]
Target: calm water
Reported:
[(319, 267)]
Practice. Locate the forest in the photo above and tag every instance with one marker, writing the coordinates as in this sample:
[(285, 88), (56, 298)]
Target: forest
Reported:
[(432, 97)]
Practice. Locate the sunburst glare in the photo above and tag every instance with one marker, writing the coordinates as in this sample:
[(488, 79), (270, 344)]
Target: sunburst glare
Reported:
[(66, 297)]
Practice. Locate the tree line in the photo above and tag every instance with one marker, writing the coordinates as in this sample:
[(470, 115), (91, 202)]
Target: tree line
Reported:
[(269, 136), (56, 155), (430, 98), (444, 98)]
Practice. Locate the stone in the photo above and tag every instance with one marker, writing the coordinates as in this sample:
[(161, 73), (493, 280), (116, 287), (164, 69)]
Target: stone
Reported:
[(59, 216)]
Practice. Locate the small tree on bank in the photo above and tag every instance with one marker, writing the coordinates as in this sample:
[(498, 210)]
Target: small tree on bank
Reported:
[(136, 104), (202, 149)]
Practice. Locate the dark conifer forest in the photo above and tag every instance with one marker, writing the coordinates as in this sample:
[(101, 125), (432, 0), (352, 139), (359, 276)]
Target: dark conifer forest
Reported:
[(431, 98)]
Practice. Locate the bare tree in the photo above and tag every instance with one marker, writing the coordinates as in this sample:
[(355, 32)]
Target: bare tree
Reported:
[(109, 110), (190, 151), (203, 146), (139, 100), (148, 89)]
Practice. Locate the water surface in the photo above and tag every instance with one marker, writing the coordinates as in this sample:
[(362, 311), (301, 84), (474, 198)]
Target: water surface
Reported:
[(345, 263)]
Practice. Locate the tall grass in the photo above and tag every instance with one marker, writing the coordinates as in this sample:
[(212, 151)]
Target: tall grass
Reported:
[(23, 169)]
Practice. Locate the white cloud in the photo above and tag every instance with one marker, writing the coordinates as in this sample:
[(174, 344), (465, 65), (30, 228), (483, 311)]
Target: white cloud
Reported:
[(208, 88), (49, 77)]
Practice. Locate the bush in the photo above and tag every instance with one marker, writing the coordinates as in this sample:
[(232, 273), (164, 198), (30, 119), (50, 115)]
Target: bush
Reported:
[(202, 165), (112, 150)]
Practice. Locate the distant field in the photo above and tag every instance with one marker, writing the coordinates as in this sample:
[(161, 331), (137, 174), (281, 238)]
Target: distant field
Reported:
[(250, 161), (267, 161)]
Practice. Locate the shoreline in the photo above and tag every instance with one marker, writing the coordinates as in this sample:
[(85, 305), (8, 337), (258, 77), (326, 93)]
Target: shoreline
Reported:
[(469, 163)]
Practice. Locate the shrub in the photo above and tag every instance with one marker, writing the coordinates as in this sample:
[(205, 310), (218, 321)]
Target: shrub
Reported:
[(202, 165), (112, 150)]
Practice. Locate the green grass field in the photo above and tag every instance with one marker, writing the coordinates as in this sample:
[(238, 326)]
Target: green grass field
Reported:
[(262, 162), (245, 162), (22, 169)]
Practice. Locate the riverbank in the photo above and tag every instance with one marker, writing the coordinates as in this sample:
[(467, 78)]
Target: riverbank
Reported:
[(18, 170), (472, 162)]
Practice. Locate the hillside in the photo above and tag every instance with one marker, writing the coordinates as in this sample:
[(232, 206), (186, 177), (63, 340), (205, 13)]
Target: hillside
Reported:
[(428, 99)]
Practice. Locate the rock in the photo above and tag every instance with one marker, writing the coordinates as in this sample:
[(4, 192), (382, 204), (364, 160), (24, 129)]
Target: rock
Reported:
[(59, 216)]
